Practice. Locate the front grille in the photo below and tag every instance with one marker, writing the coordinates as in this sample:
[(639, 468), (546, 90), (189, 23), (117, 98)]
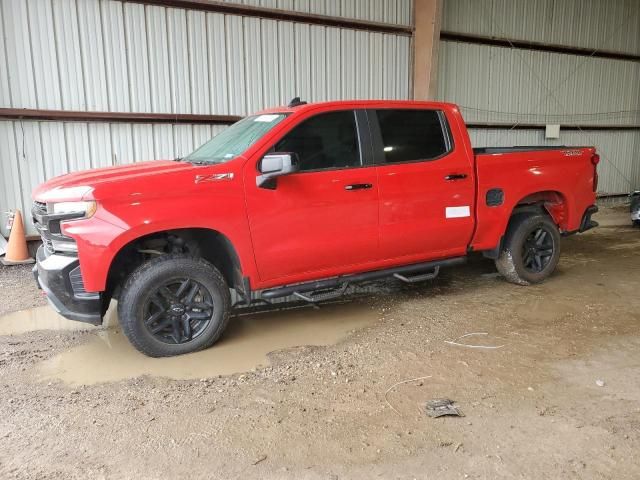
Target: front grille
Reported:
[(48, 244), (40, 207), (48, 226)]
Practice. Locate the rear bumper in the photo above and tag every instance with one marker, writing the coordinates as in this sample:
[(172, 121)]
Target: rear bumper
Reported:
[(587, 223), (59, 277)]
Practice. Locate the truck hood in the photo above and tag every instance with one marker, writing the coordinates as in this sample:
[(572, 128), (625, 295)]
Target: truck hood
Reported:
[(79, 185)]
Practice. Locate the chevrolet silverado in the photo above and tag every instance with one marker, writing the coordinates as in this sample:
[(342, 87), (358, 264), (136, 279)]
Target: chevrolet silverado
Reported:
[(301, 201)]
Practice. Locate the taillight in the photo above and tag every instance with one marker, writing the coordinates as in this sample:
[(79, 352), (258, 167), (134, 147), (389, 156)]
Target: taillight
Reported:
[(595, 159)]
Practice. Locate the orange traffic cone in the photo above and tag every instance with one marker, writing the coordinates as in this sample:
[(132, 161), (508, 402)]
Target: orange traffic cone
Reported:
[(17, 252)]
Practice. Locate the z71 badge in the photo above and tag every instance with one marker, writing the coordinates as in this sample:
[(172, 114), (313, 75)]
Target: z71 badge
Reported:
[(213, 178)]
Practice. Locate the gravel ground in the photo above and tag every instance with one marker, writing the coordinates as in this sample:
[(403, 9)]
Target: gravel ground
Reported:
[(18, 289), (560, 399)]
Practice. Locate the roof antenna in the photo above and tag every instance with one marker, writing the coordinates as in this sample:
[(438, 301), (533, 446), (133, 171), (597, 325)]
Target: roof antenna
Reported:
[(296, 102)]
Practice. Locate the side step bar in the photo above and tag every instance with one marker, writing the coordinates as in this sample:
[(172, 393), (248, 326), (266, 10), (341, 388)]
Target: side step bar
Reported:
[(341, 282), (420, 277)]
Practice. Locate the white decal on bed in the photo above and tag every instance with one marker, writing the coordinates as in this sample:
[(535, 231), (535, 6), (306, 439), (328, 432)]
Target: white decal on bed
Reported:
[(458, 212)]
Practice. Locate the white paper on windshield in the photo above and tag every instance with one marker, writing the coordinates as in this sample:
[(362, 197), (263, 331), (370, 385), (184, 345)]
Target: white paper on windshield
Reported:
[(266, 118)]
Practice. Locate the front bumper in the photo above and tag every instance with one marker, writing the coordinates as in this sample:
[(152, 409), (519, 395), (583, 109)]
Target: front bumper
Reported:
[(60, 278)]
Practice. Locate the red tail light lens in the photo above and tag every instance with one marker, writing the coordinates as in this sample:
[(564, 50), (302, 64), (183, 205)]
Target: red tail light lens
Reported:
[(595, 159)]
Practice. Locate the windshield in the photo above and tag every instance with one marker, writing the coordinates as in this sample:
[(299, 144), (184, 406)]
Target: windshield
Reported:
[(235, 140)]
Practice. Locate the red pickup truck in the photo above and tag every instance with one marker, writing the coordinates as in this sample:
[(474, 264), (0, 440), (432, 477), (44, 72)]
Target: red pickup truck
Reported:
[(302, 200)]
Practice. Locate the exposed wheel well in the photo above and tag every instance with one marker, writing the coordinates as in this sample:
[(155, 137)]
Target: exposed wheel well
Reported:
[(198, 242), (551, 203)]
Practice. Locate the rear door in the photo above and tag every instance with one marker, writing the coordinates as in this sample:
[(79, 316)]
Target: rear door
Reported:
[(323, 219), (426, 185)]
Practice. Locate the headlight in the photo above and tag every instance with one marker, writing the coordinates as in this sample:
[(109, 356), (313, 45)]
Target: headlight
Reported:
[(86, 209)]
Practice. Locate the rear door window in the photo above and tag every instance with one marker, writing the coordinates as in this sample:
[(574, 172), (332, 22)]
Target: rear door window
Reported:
[(326, 141), (413, 135)]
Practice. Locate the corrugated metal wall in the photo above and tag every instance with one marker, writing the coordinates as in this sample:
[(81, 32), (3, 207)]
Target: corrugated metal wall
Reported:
[(495, 84), (515, 86), (103, 55), (603, 24), (106, 55), (385, 11)]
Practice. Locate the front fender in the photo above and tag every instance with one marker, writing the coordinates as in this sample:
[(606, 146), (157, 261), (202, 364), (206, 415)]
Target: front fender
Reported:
[(101, 237)]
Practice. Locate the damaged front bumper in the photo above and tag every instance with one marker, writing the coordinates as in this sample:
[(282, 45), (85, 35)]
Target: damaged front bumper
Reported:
[(60, 278)]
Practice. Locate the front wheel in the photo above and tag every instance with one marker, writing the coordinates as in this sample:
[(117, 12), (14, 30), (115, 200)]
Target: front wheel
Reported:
[(531, 249), (174, 304)]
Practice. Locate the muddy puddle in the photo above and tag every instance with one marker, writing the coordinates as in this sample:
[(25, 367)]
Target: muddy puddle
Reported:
[(43, 318), (108, 356)]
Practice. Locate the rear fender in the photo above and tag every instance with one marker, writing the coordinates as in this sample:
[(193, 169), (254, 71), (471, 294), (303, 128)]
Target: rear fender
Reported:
[(553, 203)]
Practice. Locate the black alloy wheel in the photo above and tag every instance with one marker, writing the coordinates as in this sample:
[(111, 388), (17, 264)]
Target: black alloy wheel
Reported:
[(537, 250), (530, 249), (178, 311), (174, 304)]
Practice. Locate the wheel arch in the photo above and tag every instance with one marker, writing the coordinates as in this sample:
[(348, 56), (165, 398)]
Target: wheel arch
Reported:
[(550, 202), (547, 202), (209, 244)]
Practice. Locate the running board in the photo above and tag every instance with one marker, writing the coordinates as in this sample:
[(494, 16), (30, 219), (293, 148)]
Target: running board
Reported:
[(418, 278), (323, 297), (344, 281)]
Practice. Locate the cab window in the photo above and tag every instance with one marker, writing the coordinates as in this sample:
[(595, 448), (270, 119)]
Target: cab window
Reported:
[(413, 135), (326, 141)]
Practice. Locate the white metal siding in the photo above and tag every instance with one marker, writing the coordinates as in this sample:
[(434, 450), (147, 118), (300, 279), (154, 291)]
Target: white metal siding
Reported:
[(108, 55), (510, 85), (601, 24), (384, 11)]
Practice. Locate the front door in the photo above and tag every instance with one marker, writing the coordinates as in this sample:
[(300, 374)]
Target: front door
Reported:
[(323, 218), (426, 185)]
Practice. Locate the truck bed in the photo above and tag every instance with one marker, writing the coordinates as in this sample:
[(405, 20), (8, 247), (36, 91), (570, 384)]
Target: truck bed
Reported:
[(564, 174), (491, 150)]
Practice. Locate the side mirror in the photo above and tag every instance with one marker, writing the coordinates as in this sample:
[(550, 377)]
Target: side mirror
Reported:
[(276, 165)]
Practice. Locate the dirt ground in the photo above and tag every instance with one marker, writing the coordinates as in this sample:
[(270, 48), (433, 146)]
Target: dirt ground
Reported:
[(18, 289), (560, 398)]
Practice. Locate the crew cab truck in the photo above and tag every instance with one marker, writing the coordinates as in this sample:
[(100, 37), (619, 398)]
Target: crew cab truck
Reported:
[(301, 200)]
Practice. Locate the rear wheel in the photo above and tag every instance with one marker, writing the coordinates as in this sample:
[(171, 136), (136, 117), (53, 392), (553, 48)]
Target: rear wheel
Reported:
[(174, 304), (531, 249)]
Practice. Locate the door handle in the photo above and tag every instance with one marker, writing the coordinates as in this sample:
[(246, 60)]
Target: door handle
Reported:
[(358, 186), (455, 176)]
